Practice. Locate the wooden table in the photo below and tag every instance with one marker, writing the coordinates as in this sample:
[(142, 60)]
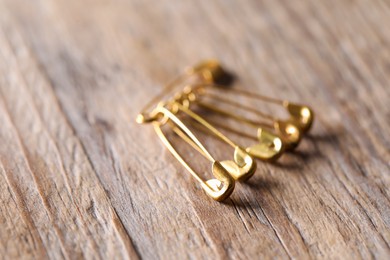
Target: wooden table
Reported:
[(80, 179)]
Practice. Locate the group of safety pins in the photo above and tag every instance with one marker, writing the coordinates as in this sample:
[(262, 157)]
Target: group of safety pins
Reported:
[(199, 84)]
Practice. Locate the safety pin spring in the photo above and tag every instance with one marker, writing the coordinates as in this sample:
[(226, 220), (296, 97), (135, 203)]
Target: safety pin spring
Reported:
[(301, 115)]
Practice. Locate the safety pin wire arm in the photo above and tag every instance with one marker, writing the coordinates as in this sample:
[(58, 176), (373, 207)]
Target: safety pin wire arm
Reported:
[(188, 140), (203, 122), (270, 146), (229, 129), (240, 106), (289, 132), (239, 169), (236, 117), (303, 115), (243, 166), (200, 127), (219, 188), (185, 129), (192, 90), (144, 116), (160, 133)]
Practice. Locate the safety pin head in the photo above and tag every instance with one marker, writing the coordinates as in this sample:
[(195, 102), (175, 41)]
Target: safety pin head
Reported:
[(222, 186), (302, 115), (289, 133), (269, 148), (243, 167)]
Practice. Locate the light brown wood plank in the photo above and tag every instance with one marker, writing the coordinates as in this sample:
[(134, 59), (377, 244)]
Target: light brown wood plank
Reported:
[(80, 179)]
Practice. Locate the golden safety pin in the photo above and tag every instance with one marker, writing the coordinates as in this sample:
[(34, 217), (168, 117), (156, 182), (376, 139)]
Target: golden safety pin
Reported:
[(288, 130), (243, 165), (203, 76), (269, 146), (300, 115), (219, 188)]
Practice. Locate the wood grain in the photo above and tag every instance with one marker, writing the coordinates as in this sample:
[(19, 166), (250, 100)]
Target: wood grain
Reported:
[(80, 179)]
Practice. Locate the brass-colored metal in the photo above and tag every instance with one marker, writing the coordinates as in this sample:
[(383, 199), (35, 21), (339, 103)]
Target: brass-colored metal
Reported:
[(242, 168), (301, 115), (270, 146), (174, 102), (219, 188), (290, 130), (207, 71)]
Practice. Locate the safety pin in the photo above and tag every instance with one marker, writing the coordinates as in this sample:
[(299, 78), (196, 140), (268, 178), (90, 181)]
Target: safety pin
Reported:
[(201, 77), (269, 147), (243, 165), (288, 130), (208, 71), (288, 133), (300, 115), (219, 188)]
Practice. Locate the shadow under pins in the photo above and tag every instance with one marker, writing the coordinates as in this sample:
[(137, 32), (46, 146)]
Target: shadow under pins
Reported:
[(260, 185), (298, 158), (258, 188)]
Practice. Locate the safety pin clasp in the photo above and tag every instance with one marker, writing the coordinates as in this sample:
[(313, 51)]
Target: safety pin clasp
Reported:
[(222, 186), (303, 116), (269, 148), (290, 134), (243, 167)]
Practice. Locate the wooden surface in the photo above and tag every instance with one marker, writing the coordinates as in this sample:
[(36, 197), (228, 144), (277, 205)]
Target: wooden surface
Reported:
[(80, 179)]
